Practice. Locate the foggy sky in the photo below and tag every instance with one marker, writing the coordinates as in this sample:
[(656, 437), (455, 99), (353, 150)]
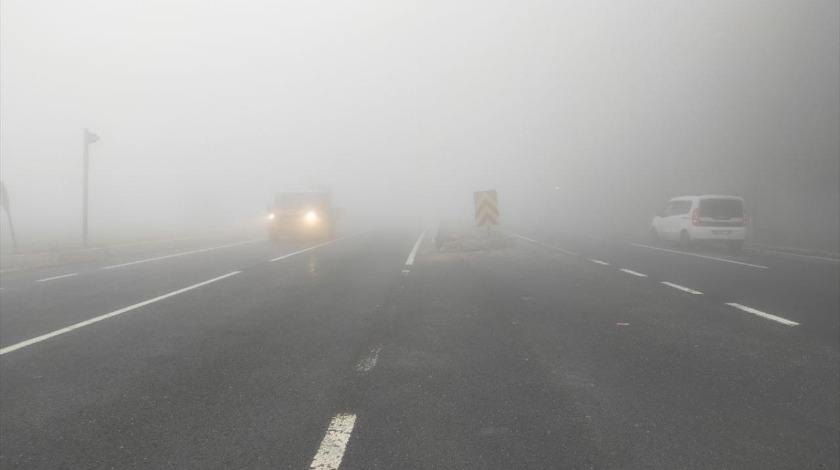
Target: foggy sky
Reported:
[(205, 109)]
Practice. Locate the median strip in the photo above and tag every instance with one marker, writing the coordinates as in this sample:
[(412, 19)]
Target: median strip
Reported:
[(76, 326), (781, 320)]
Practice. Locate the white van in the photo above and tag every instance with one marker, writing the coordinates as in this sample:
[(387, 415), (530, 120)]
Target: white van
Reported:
[(707, 218)]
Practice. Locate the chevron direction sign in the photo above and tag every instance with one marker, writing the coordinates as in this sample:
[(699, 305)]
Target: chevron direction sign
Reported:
[(486, 208)]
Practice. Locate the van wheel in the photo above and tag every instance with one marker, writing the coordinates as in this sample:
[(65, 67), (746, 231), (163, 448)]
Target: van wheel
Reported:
[(735, 245), (685, 239)]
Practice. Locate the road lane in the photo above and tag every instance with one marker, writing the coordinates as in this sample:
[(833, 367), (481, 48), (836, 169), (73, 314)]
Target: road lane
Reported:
[(245, 373), (518, 358), (524, 359), (30, 309), (802, 290)]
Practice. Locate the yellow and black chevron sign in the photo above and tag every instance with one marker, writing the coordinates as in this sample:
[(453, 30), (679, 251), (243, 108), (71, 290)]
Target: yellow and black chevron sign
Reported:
[(486, 208)]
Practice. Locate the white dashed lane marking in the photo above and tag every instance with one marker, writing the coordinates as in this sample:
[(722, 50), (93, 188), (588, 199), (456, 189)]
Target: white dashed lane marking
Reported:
[(633, 273), (781, 320), (597, 261), (183, 253), (289, 255), (368, 362), (57, 277), (682, 288), (70, 328), (332, 448)]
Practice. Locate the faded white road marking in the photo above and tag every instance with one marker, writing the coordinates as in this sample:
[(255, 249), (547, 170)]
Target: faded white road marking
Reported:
[(57, 277), (368, 362), (682, 288), (332, 447), (183, 253), (571, 253), (410, 260), (784, 253), (633, 273), (289, 255), (781, 320), (582, 235), (70, 328), (699, 256), (597, 261)]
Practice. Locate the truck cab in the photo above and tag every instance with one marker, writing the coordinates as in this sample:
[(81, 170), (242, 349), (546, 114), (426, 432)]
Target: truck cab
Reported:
[(303, 214)]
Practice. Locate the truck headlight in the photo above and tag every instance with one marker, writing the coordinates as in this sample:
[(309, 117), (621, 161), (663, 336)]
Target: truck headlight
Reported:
[(311, 217), (270, 216)]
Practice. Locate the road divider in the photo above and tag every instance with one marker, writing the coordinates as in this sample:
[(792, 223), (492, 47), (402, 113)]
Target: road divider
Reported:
[(781, 320), (699, 256), (331, 451), (682, 288), (91, 321)]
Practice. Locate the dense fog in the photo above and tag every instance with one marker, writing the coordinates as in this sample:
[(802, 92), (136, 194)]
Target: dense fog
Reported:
[(587, 115)]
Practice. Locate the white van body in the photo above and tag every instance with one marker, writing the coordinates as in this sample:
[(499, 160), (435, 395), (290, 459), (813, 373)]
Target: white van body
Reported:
[(707, 218)]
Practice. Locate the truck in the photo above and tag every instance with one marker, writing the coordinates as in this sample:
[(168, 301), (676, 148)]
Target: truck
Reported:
[(301, 214)]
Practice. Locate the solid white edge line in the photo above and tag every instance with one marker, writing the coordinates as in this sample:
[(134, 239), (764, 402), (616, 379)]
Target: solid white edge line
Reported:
[(57, 277), (699, 256), (570, 253), (67, 329), (597, 261), (783, 253), (781, 320), (682, 288), (331, 451), (289, 255), (628, 271), (182, 253), (410, 260), (368, 361)]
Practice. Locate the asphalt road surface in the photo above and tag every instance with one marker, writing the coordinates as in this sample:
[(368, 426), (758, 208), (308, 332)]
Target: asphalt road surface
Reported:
[(374, 351)]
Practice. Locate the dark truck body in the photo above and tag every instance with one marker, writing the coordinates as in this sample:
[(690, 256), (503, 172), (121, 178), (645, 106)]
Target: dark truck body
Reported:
[(302, 215)]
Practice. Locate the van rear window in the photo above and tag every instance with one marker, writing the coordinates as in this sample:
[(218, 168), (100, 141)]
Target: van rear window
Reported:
[(722, 209)]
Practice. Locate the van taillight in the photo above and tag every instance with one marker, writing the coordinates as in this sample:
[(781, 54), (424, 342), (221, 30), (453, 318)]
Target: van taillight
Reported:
[(695, 217)]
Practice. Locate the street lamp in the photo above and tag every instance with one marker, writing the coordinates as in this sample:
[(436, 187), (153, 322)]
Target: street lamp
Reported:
[(89, 138)]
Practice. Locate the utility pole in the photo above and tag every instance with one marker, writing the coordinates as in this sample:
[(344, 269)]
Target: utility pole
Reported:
[(89, 138)]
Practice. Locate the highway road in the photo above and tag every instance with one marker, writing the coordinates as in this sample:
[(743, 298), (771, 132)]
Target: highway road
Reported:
[(374, 351)]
